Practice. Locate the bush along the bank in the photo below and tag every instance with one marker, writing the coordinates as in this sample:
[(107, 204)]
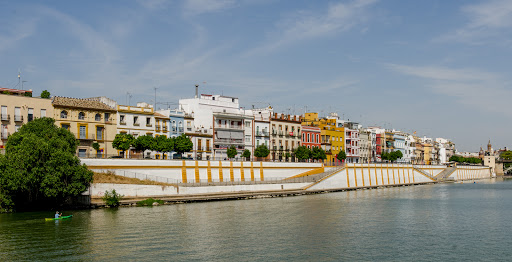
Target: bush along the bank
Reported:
[(112, 198), (40, 169), (149, 202)]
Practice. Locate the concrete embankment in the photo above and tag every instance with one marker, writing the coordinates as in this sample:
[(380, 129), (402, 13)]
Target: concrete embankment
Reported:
[(276, 179)]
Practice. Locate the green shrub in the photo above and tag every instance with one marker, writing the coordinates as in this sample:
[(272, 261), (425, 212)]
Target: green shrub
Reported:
[(149, 202), (112, 198)]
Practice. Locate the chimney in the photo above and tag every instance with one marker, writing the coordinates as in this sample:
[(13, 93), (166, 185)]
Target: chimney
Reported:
[(197, 86)]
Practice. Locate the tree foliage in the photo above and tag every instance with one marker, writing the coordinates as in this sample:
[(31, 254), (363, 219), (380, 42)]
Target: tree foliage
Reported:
[(467, 160), (143, 143), (261, 151), (341, 156), (182, 144), (123, 141), (507, 155), (246, 153), (318, 154), (164, 144), (40, 167), (45, 94), (302, 153), (96, 146), (231, 152)]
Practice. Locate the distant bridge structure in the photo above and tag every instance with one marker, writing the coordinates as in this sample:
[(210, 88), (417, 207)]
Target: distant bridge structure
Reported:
[(503, 167)]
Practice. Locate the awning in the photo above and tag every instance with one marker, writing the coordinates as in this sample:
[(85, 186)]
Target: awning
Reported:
[(223, 134), (237, 135)]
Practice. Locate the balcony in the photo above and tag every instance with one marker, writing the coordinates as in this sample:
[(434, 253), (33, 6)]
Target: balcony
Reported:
[(149, 125), (229, 127), (262, 133), (18, 118), (158, 127), (164, 129), (5, 117), (85, 136), (229, 141), (123, 123), (136, 124)]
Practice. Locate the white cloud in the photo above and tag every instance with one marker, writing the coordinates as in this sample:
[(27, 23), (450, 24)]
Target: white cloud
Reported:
[(197, 7), (18, 32), (486, 20), (474, 88), (302, 25)]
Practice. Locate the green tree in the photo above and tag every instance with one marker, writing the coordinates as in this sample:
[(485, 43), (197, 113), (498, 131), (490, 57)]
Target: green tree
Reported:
[(318, 154), (246, 154), (40, 167), (341, 156), (507, 155), (385, 156), (96, 147), (395, 155), (455, 158), (261, 151), (163, 144), (182, 144), (45, 94), (302, 153), (231, 152), (143, 143), (29, 94), (112, 198), (123, 142)]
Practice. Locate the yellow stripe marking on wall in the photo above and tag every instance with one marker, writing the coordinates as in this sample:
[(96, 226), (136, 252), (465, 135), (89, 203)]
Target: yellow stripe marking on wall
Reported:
[(252, 171), (369, 175), (221, 177), (362, 174), (398, 174), (231, 174), (261, 171), (408, 175), (209, 172), (184, 172), (348, 178), (197, 172), (242, 177), (375, 172), (393, 169), (355, 175), (381, 174), (413, 176), (387, 171)]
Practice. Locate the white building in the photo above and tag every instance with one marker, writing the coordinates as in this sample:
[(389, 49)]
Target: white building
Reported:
[(221, 117), (262, 126)]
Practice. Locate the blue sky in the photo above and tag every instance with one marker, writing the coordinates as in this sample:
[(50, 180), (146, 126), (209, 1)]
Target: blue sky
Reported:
[(440, 68)]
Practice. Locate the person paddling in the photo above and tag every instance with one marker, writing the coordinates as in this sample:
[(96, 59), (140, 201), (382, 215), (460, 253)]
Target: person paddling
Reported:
[(57, 215)]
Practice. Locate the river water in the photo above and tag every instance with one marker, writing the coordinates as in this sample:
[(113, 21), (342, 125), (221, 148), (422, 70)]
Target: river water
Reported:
[(444, 222)]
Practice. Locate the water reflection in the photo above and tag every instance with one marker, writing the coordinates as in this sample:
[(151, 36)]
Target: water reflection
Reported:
[(432, 222)]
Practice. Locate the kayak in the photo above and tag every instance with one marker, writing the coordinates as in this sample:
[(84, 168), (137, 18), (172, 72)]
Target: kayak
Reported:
[(50, 219)]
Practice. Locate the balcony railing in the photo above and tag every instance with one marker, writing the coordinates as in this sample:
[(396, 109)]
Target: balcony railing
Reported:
[(123, 123), (136, 124), (149, 125), (5, 117), (164, 129), (18, 118), (85, 136), (229, 127), (229, 141), (262, 133), (157, 127)]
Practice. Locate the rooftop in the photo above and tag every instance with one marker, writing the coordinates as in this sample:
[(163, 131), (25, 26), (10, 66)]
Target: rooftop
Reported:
[(80, 103)]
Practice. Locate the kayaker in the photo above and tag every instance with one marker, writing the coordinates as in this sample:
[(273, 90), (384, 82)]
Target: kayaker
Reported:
[(57, 215)]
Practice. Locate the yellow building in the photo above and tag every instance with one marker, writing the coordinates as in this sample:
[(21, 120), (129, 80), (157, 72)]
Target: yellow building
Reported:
[(90, 121), (18, 109), (332, 135)]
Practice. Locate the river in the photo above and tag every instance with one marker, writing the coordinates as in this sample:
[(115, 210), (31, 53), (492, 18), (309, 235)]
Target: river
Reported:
[(446, 222)]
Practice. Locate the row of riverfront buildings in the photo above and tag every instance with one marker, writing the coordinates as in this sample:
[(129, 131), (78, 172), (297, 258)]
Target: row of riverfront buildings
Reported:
[(214, 123)]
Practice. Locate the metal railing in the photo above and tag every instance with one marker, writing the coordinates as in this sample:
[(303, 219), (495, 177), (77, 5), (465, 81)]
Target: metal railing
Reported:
[(5, 117), (4, 135), (18, 118)]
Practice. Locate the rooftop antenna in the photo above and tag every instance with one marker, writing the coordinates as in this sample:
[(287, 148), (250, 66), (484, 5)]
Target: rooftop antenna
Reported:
[(19, 77), (128, 97), (23, 81), (154, 105)]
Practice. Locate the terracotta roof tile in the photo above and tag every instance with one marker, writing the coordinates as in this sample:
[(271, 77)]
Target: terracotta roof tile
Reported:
[(80, 103)]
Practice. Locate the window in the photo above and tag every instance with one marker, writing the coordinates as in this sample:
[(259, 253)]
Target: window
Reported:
[(43, 113), (247, 124), (83, 132), (4, 115), (107, 117), (63, 114), (148, 121), (82, 152), (99, 133), (97, 117), (232, 100), (16, 128), (30, 114), (122, 118), (247, 138), (65, 126), (17, 114), (81, 116), (308, 137), (135, 120)]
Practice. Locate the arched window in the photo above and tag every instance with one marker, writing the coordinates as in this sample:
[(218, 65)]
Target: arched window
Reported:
[(308, 137), (81, 116), (64, 114), (97, 117)]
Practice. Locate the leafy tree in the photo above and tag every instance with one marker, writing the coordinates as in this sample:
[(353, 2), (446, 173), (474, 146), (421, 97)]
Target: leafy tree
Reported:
[(45, 94), (395, 155), (182, 144), (341, 156), (29, 94), (302, 153), (112, 198), (385, 156), (287, 155), (507, 155), (123, 142), (96, 147), (143, 143), (246, 154), (40, 167), (231, 152), (261, 151), (318, 153), (163, 144), (455, 158)]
